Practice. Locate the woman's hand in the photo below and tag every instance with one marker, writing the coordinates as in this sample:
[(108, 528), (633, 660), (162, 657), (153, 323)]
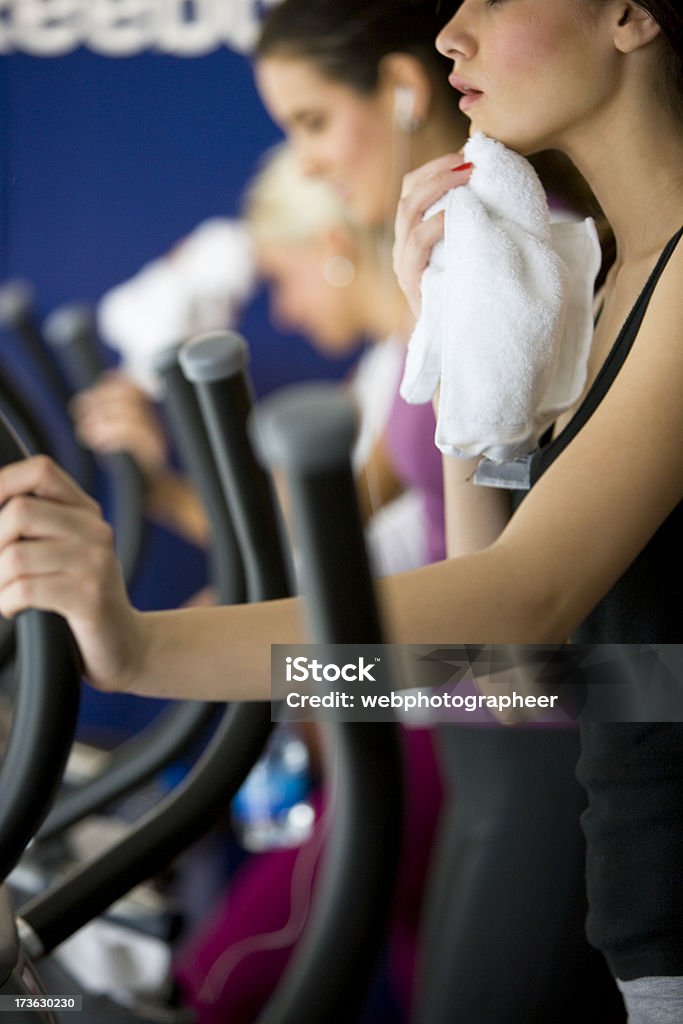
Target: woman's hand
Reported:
[(57, 554), (414, 237), (116, 415)]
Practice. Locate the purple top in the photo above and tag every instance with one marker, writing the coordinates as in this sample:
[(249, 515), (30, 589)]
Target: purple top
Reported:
[(409, 437)]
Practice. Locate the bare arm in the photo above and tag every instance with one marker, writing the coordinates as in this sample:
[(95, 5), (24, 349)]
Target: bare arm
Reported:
[(475, 516)]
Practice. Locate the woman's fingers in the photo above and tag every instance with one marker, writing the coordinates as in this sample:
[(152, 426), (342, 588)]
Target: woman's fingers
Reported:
[(437, 166), (111, 429), (411, 259), (43, 536), (413, 239), (109, 633), (112, 384), (26, 517), (116, 416), (42, 477), (29, 569)]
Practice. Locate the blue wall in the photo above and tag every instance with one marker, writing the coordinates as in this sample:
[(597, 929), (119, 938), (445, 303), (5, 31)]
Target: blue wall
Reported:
[(106, 162)]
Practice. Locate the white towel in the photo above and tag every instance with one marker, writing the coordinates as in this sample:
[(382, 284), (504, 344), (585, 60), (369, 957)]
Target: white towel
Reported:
[(506, 322), (199, 286)]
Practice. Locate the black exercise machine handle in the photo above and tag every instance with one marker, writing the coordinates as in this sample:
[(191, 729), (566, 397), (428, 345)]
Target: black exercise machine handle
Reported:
[(70, 330), (216, 364), (17, 315), (189, 432), (45, 714), (307, 431), (22, 420)]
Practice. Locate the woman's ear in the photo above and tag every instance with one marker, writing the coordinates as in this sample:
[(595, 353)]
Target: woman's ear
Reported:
[(634, 27), (403, 80)]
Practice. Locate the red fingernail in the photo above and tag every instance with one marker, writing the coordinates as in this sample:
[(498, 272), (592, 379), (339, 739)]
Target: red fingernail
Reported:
[(463, 167)]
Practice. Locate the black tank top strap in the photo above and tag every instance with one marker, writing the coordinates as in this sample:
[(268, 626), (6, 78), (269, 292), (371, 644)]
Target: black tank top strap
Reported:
[(547, 453)]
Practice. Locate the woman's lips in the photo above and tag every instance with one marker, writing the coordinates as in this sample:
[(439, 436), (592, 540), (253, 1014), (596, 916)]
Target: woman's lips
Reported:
[(341, 189), (470, 94), (469, 99)]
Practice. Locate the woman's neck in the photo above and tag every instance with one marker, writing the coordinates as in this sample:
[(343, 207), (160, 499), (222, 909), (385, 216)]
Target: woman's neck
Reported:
[(436, 137), (634, 164)]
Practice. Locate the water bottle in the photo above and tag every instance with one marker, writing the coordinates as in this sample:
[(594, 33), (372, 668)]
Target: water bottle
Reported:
[(271, 810)]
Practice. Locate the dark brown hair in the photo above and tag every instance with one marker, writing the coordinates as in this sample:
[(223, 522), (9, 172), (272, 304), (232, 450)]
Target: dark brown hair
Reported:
[(346, 40)]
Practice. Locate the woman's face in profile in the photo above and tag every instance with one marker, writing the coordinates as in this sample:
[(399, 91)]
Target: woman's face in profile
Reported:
[(337, 134), (531, 71)]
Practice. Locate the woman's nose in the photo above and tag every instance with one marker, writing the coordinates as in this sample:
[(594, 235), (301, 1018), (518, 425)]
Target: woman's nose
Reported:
[(454, 40), (309, 158)]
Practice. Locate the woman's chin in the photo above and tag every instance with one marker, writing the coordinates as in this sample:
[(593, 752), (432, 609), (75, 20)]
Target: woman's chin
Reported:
[(522, 146)]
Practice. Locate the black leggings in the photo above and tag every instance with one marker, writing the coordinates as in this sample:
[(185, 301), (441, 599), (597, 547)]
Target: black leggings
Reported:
[(504, 939)]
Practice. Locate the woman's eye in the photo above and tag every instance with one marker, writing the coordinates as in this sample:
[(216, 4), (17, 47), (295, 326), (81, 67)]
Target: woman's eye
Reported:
[(313, 124)]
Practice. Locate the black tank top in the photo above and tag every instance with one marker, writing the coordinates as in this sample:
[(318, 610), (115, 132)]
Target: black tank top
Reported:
[(633, 772)]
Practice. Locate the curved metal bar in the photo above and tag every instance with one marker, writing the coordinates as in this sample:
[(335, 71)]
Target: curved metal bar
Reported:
[(307, 431), (70, 330), (44, 718)]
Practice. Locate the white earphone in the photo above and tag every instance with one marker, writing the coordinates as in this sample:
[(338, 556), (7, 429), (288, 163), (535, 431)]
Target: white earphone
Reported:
[(404, 108)]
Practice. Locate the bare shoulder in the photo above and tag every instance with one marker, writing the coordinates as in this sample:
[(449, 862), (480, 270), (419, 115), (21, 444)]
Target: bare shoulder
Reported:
[(620, 477), (654, 367), (665, 309)]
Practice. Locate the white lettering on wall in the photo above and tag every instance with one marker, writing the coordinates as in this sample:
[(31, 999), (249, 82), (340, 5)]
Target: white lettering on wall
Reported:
[(122, 28)]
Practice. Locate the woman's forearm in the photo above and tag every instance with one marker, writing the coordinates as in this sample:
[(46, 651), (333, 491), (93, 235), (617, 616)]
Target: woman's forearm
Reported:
[(219, 654)]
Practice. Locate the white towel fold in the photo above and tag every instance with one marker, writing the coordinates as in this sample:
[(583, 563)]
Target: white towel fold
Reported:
[(199, 286), (506, 322)]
